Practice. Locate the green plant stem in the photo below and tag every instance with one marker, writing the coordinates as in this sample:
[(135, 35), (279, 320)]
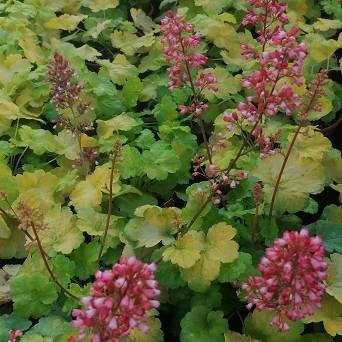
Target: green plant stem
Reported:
[(52, 275), (110, 205)]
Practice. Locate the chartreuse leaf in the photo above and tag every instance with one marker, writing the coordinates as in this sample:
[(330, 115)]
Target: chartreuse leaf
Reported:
[(64, 268), (338, 188), (129, 43), (156, 225), (11, 65), (100, 5), (61, 234), (330, 314), (29, 298), (257, 325), (212, 7), (119, 70), (88, 193), (186, 251), (13, 244), (12, 322), (166, 110), (47, 327), (155, 334), (7, 185), (203, 325), (333, 213), (65, 22), (335, 277), (122, 122), (219, 249), (8, 112), (159, 161), (333, 165), (301, 177), (232, 336), (312, 145), (323, 24)]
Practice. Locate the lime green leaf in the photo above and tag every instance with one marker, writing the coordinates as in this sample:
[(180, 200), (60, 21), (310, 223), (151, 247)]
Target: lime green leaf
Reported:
[(61, 234), (65, 22), (129, 43), (166, 110), (327, 24), (131, 162), (39, 140), (220, 247), (335, 277), (333, 165), (338, 188), (12, 65), (122, 122), (319, 48), (30, 299), (226, 83), (50, 327), (155, 334), (325, 108), (131, 91), (119, 69), (156, 225), (312, 145), (257, 325), (232, 336), (85, 258), (12, 322), (141, 20), (213, 6), (100, 5), (300, 178), (233, 271), (203, 325), (14, 246), (64, 269), (7, 185), (330, 314), (186, 251), (159, 161)]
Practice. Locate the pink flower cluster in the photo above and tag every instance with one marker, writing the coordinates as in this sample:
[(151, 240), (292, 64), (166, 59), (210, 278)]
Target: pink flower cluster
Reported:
[(13, 334), (293, 272), (64, 90), (179, 42), (119, 301), (280, 58)]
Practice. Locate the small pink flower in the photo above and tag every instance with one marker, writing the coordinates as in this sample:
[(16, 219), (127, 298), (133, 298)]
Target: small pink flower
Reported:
[(13, 334), (292, 280), (119, 300)]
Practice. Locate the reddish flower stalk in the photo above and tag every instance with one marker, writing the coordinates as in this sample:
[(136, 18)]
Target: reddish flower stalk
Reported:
[(315, 91), (119, 301), (65, 93), (32, 218), (291, 281), (179, 43), (113, 157)]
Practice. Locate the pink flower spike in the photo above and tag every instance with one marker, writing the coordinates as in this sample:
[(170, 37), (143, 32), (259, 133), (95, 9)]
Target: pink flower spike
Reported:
[(119, 300), (291, 278)]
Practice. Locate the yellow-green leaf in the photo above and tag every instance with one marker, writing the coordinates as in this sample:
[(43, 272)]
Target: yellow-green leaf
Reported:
[(100, 5), (186, 251), (335, 277), (65, 22), (330, 314), (12, 65)]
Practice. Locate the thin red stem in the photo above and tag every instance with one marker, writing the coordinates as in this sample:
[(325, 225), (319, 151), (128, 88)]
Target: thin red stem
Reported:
[(255, 222), (52, 275), (110, 205)]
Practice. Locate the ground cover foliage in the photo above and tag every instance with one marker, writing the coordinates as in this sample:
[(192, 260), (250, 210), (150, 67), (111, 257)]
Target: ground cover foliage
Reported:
[(121, 166)]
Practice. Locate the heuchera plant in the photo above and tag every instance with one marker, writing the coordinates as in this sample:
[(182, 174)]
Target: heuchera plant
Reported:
[(291, 278)]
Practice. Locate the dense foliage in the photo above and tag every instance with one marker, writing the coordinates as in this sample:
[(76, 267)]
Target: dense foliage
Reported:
[(158, 163)]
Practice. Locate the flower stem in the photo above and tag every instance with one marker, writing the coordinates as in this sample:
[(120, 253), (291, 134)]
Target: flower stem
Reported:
[(110, 204), (52, 275)]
